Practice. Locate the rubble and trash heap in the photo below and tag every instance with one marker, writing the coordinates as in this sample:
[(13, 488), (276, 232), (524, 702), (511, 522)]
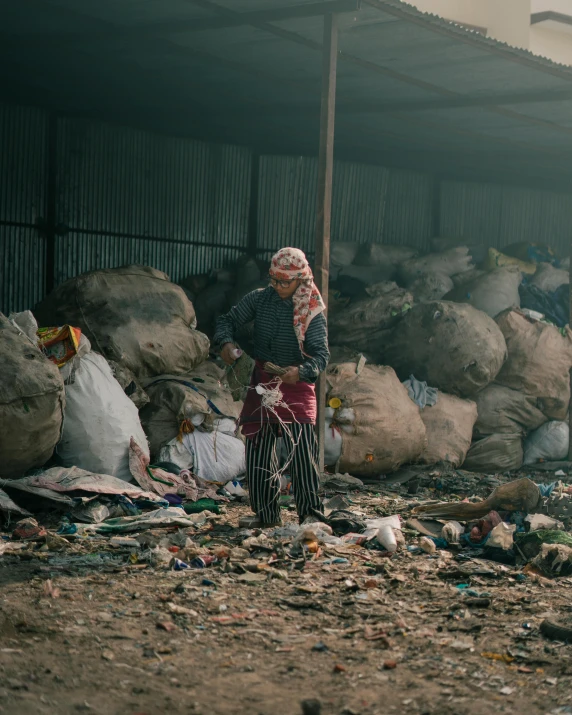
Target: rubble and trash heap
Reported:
[(449, 377)]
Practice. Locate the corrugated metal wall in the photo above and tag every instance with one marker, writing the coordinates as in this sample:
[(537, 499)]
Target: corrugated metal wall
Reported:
[(369, 204), (23, 170), (501, 215), (128, 196)]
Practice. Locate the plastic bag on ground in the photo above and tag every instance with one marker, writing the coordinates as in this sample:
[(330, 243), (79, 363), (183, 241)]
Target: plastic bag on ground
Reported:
[(452, 346), (387, 429), (502, 536), (449, 425), (99, 421), (548, 443), (32, 401), (133, 315), (492, 292), (501, 409), (539, 362), (213, 456), (495, 453), (72, 479), (171, 516), (217, 457), (176, 453), (8, 506), (161, 482)]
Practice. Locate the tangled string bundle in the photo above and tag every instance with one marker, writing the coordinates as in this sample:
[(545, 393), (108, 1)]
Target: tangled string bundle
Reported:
[(271, 398), (270, 395)]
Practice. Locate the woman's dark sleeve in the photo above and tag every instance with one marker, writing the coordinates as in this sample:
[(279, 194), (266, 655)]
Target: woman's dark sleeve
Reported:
[(316, 347), (240, 314)]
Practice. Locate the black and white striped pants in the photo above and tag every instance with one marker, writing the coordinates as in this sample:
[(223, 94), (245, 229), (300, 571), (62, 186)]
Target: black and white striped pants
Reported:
[(262, 469)]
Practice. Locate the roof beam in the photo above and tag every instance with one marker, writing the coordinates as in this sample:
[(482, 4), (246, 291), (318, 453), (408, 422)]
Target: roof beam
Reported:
[(236, 19), (224, 19), (459, 102)]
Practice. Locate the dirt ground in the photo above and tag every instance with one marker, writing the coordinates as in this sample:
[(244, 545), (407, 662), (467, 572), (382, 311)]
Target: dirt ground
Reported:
[(98, 629)]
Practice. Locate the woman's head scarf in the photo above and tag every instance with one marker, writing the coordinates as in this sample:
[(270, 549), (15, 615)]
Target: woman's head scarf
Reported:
[(291, 264)]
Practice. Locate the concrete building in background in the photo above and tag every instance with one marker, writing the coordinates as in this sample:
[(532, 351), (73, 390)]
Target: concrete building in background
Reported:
[(541, 26)]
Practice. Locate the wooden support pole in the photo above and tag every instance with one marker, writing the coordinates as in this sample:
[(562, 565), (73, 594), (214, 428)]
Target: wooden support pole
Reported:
[(570, 373), (324, 204)]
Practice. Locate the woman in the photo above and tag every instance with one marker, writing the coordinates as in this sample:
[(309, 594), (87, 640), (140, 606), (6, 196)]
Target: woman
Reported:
[(290, 332)]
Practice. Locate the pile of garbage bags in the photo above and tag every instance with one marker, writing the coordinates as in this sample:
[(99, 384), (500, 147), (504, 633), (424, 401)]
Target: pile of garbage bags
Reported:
[(107, 373), (461, 355), (461, 319)]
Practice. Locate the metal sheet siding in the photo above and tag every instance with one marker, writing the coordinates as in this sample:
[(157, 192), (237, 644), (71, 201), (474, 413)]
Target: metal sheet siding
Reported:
[(78, 253), (359, 200), (22, 268), (131, 196), (23, 152), (287, 202), (500, 215), (408, 214), (472, 210), (369, 204)]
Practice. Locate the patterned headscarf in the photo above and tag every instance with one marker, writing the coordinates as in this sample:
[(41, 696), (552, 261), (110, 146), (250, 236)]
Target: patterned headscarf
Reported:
[(291, 263)]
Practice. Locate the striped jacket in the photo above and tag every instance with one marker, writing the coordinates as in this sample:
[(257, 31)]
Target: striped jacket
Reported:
[(274, 337)]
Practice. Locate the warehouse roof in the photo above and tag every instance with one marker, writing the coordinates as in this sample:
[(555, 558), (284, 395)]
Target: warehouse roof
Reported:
[(412, 88)]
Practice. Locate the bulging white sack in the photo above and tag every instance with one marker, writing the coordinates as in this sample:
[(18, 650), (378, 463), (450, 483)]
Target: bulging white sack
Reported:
[(99, 421)]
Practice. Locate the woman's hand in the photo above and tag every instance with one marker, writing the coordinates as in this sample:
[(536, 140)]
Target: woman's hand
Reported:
[(226, 353), (292, 376)]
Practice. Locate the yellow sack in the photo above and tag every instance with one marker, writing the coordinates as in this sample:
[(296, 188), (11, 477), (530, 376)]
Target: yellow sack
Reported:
[(495, 259)]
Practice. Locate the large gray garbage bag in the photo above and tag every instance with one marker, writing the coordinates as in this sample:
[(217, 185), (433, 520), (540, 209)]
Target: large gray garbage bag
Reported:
[(381, 426), (31, 403), (548, 278), (495, 453), (492, 292), (449, 263), (449, 424), (99, 421), (452, 346), (362, 324), (133, 315), (179, 398), (384, 256), (506, 411), (539, 361), (548, 443)]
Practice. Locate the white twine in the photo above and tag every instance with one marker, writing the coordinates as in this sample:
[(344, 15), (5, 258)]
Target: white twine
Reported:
[(271, 399)]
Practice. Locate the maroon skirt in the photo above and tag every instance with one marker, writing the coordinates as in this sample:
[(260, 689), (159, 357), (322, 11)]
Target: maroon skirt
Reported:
[(299, 398)]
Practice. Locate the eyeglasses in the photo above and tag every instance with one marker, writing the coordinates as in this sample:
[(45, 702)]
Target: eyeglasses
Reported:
[(282, 284)]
